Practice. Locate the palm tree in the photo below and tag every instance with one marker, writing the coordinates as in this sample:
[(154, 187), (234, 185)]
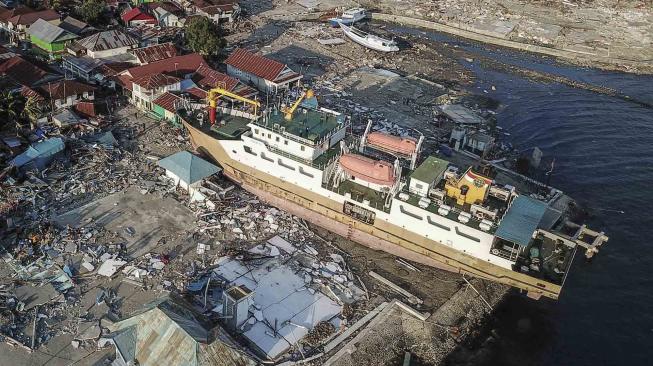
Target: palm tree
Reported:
[(32, 110), (10, 109)]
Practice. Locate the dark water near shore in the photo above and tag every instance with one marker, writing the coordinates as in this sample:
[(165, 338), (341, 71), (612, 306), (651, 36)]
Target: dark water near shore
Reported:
[(604, 159)]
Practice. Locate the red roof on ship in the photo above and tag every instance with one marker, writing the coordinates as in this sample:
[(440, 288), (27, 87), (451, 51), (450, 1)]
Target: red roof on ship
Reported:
[(369, 170), (254, 64)]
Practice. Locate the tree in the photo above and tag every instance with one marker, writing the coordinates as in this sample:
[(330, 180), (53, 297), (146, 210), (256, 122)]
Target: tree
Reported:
[(32, 110), (11, 106), (204, 36), (91, 10)]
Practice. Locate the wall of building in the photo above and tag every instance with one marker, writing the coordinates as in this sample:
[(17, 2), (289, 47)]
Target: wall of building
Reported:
[(109, 52)]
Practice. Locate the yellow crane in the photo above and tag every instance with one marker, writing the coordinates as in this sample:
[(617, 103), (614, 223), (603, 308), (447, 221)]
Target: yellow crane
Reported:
[(289, 111), (217, 92)]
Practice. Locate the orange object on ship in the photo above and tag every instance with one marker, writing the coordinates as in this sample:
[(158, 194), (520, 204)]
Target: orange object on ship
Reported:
[(369, 170), (402, 145)]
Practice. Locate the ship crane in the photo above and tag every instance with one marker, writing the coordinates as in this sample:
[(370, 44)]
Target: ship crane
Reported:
[(289, 111), (217, 92)]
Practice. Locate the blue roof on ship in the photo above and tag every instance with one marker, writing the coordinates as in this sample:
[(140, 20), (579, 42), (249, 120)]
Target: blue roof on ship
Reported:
[(521, 220), (188, 167)]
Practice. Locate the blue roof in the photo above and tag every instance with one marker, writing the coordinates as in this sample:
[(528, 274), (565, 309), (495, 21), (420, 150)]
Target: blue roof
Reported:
[(521, 220), (188, 167), (43, 149)]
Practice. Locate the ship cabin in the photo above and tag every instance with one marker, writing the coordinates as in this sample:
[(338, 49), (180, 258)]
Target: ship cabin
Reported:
[(309, 134)]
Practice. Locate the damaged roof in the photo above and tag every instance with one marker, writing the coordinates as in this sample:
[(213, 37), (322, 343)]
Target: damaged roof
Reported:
[(168, 331), (154, 53), (188, 167), (65, 88), (107, 40), (155, 81), (22, 71), (180, 64), (167, 101)]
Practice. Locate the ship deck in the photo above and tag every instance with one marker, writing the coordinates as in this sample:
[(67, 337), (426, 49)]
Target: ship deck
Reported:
[(228, 127), (309, 124)]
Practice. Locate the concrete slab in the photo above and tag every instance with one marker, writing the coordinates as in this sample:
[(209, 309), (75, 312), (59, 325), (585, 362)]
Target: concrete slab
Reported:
[(141, 220)]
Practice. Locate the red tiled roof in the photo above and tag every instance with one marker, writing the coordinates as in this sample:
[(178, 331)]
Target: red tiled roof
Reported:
[(167, 101), (185, 64), (137, 14), (65, 88), (86, 109), (254, 64), (157, 52), (6, 14), (114, 68), (207, 77), (22, 71), (197, 92), (123, 80), (29, 18), (154, 81)]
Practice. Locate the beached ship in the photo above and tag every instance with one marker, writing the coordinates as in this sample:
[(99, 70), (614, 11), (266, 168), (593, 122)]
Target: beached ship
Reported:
[(369, 40), (349, 17), (302, 159)]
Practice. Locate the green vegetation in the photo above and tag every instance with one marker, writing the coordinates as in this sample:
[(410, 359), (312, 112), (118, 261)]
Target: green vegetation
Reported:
[(91, 11), (204, 36)]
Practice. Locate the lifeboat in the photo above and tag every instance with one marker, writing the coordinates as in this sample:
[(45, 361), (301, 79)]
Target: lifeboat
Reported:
[(402, 145), (369, 170)]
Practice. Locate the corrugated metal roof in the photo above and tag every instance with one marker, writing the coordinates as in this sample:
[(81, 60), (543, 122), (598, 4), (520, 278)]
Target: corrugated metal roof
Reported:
[(210, 78), (254, 64), (40, 149), (32, 17), (23, 71), (65, 88), (188, 167), (48, 32), (154, 53), (155, 81), (137, 14), (180, 64), (107, 40), (521, 220)]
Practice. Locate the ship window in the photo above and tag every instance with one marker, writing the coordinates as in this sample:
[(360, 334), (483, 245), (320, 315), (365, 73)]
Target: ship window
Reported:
[(266, 158), (467, 235), (418, 186), (284, 165), (285, 142), (269, 135), (277, 139), (249, 150), (406, 212), (302, 148), (437, 224), (301, 170), (256, 131)]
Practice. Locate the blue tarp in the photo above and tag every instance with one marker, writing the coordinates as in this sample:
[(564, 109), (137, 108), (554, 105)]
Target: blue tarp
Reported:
[(521, 220), (39, 154), (188, 167)]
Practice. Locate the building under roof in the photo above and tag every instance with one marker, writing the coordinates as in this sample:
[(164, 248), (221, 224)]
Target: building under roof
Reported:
[(107, 40), (76, 26), (188, 167), (146, 55), (521, 220), (168, 331), (269, 75), (25, 72), (49, 33), (65, 88)]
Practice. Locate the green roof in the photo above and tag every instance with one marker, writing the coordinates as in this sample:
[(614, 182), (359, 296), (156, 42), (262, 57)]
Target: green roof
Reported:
[(188, 167), (430, 169), (306, 123)]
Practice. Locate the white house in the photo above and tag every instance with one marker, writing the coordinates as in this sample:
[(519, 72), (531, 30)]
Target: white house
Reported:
[(267, 75), (187, 171), (147, 88), (427, 175)]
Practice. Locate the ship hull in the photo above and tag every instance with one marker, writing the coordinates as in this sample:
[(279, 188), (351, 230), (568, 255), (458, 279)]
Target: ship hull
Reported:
[(381, 235)]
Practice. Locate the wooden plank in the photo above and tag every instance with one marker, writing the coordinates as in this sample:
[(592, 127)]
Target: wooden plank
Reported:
[(411, 298)]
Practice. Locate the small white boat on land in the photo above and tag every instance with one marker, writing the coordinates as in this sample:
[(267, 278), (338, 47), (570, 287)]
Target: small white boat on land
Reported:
[(369, 40), (349, 17)]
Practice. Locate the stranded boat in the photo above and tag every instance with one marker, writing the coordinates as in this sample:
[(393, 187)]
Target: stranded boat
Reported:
[(369, 40), (303, 160), (349, 17)]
